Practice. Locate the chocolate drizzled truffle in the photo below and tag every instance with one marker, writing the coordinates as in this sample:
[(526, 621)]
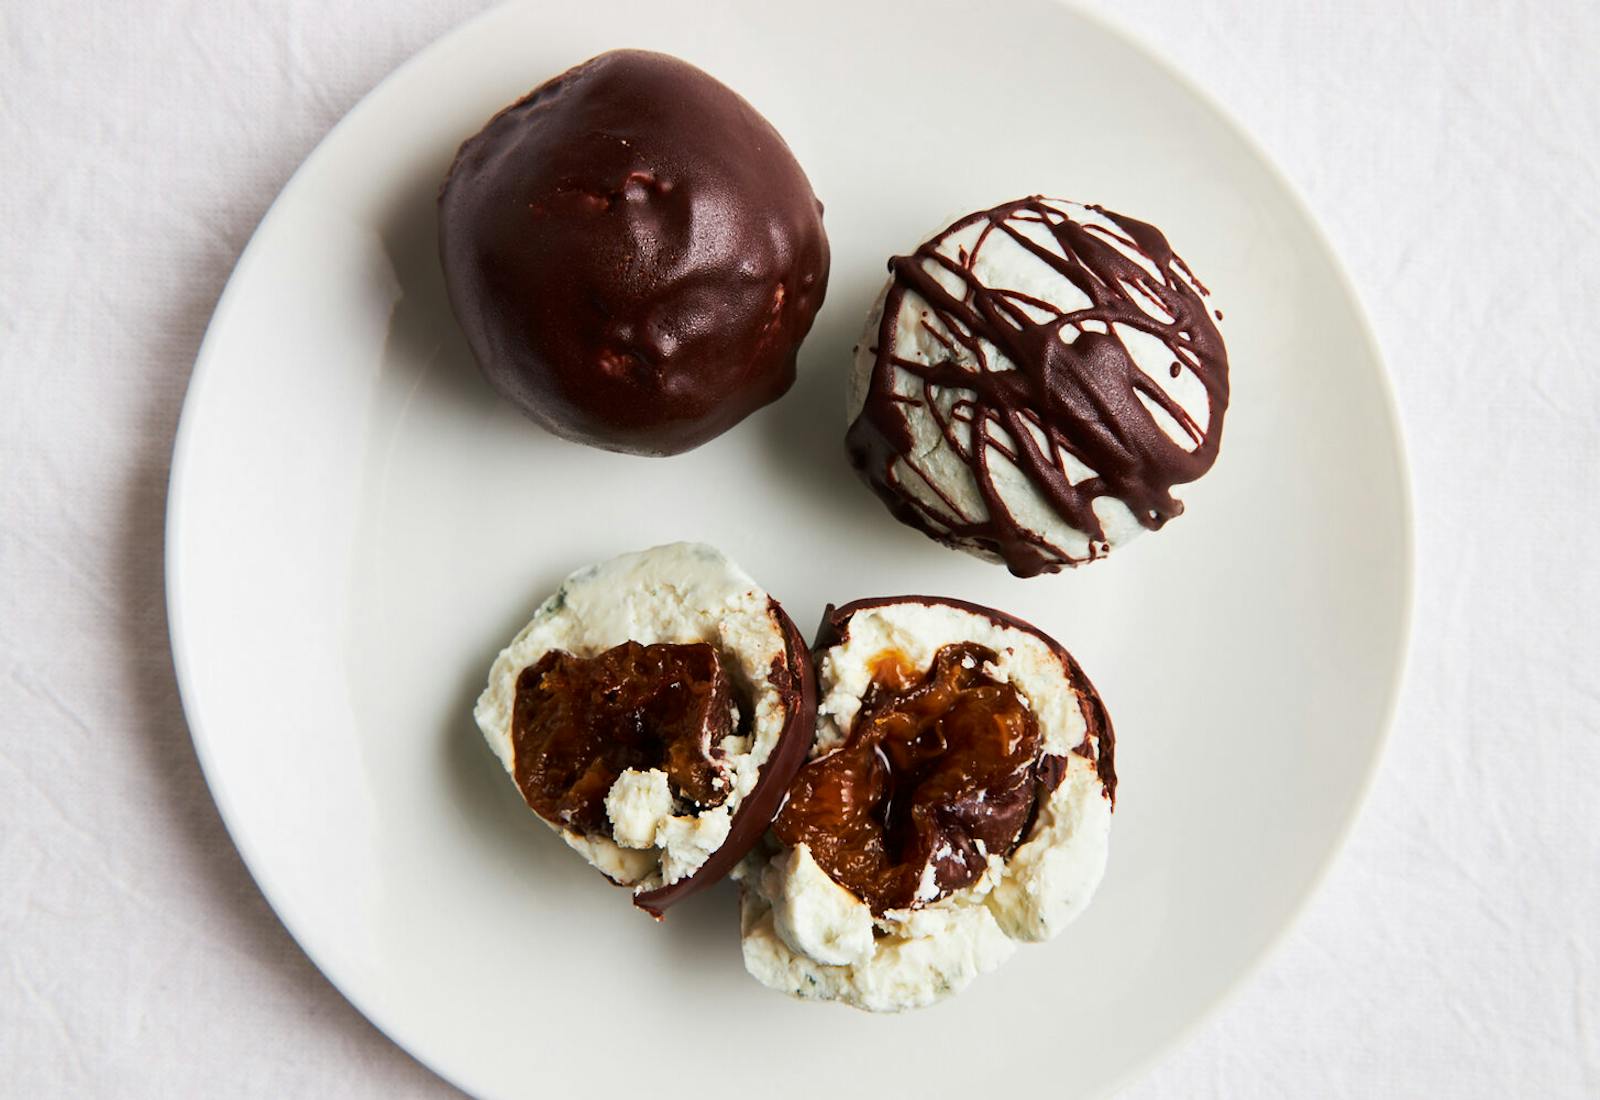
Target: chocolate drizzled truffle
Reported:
[(1034, 382), (633, 254)]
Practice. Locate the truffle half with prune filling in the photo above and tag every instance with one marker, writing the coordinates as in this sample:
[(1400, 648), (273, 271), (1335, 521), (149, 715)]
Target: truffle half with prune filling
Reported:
[(1034, 381), (653, 713), (633, 253), (957, 800)]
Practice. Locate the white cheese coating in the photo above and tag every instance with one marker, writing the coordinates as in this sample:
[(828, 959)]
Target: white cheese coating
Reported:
[(679, 594), (932, 953), (939, 474), (919, 631), (1051, 877), (818, 917), (806, 935)]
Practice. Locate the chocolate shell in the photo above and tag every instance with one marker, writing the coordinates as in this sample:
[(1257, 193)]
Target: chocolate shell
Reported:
[(633, 253), (798, 688)]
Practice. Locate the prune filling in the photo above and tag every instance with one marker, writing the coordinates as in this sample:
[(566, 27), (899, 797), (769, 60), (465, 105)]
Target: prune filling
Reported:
[(935, 775), (578, 722)]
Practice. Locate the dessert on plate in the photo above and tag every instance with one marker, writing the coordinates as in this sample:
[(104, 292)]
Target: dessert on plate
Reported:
[(1034, 381), (633, 254), (653, 713), (956, 801)]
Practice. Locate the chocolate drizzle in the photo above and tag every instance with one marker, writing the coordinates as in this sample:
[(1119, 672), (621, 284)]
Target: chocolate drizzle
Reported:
[(1088, 398)]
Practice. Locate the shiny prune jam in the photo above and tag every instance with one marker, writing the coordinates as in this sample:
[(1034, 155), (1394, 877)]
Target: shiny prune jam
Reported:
[(578, 722), (935, 775)]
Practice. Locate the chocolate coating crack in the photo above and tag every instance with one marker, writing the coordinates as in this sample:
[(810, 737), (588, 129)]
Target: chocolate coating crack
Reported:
[(577, 723), (938, 771)]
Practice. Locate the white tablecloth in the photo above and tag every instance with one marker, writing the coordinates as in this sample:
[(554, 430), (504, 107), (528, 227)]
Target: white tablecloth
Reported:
[(1452, 150)]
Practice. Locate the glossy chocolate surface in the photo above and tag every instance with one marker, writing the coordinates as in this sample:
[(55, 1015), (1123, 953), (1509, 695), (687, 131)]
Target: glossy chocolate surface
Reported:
[(633, 253)]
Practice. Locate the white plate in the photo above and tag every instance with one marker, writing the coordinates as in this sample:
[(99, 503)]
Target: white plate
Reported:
[(357, 524)]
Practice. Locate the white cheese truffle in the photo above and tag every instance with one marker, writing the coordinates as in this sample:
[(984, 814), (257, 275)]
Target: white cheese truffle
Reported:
[(682, 593), (1021, 419), (805, 934)]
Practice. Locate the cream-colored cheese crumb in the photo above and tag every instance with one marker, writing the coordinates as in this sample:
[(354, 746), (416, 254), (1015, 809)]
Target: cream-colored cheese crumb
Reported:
[(637, 804), (815, 915), (688, 841), (924, 959)]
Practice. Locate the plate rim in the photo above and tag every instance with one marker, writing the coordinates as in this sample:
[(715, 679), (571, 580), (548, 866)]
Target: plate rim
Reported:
[(204, 371)]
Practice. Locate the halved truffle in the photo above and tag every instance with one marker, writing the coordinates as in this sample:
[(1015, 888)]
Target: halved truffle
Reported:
[(956, 800), (653, 713)]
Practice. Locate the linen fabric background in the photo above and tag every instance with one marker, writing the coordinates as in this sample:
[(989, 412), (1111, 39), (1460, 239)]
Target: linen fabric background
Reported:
[(1451, 150)]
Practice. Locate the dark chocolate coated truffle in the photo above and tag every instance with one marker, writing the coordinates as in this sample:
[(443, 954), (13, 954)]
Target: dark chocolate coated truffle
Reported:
[(633, 253)]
